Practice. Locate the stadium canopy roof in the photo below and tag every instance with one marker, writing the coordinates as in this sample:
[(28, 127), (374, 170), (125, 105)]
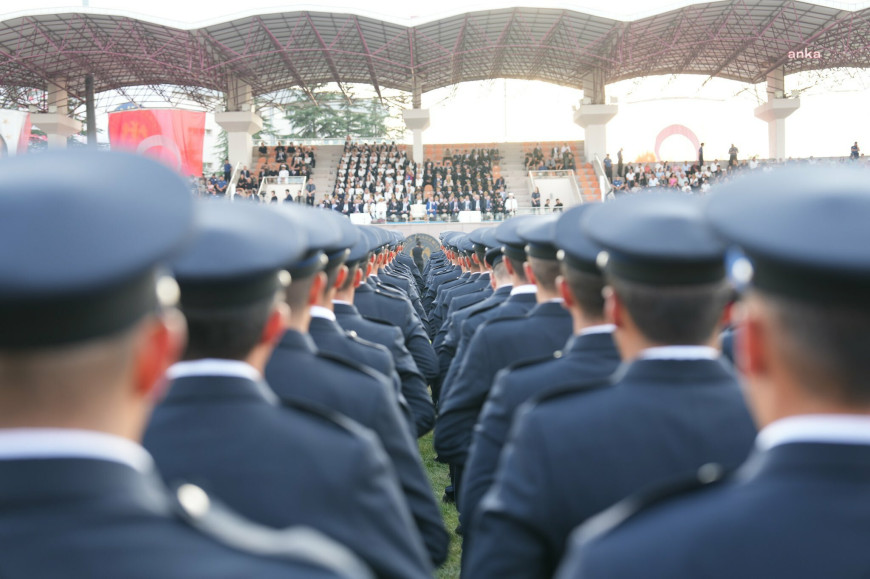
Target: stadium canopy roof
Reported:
[(739, 39)]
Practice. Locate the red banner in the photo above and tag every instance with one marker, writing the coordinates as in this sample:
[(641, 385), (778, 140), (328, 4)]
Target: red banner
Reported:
[(172, 136)]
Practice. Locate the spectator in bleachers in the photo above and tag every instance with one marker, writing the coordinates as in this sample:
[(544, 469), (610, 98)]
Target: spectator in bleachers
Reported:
[(280, 153)]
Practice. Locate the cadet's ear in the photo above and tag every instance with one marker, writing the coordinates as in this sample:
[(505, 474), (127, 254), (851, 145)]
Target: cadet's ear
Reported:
[(317, 286), (527, 268), (565, 292), (614, 309), (275, 325), (750, 341), (357, 277), (160, 344), (341, 277), (508, 266)]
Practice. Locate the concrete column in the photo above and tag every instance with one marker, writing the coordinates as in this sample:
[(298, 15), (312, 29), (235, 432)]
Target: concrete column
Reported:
[(594, 118), (240, 127), (240, 121), (417, 120), (774, 113), (56, 123)]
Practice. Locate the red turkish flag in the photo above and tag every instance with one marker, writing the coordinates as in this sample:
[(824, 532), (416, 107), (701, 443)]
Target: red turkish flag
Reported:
[(172, 136)]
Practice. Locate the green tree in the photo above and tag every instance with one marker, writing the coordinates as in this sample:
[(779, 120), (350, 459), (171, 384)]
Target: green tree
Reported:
[(336, 115)]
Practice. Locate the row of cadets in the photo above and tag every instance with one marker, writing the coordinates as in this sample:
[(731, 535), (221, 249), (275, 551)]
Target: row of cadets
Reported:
[(672, 408), (281, 455), (506, 338), (87, 329), (799, 507)]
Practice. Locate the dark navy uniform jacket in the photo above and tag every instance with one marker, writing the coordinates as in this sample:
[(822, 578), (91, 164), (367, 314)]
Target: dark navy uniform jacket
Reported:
[(438, 278), (298, 372), (454, 323), (330, 337), (514, 306), (497, 344), (378, 305), (81, 518), (586, 359), (577, 452), (446, 299), (456, 305), (283, 466), (413, 384), (799, 510), (404, 285), (411, 266)]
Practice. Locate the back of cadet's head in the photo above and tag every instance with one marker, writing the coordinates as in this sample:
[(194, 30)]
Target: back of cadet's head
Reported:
[(84, 337), (664, 265), (804, 241)]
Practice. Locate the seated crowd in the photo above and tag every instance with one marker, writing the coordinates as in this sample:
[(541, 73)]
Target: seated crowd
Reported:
[(279, 161), (382, 181), (556, 159)]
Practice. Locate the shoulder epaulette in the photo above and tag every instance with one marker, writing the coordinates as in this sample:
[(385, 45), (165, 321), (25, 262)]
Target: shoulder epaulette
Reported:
[(380, 322), (352, 335), (210, 517), (325, 414), (534, 361), (351, 365), (389, 295), (705, 477)]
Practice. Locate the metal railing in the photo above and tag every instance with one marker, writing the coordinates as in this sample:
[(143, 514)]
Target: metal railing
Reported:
[(290, 182), (234, 180), (603, 182)]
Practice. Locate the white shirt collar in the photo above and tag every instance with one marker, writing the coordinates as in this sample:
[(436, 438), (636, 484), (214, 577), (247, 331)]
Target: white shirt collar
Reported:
[(825, 428), (599, 329), (46, 443), (342, 302), (213, 367), (525, 289), (679, 353), (321, 312)]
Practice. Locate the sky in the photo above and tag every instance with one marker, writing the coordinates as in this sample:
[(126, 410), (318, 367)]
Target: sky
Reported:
[(718, 111)]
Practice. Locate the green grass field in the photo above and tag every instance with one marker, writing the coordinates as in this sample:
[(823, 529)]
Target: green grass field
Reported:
[(439, 479)]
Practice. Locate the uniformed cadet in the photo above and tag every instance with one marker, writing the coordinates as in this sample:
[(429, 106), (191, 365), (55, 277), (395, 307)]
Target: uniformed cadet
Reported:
[(445, 271), (221, 426), (474, 281), (328, 336), (297, 371), (375, 303), (502, 341), (84, 344), (483, 240), (382, 333), (674, 407), (391, 276), (519, 302), (589, 357), (502, 284), (799, 507)]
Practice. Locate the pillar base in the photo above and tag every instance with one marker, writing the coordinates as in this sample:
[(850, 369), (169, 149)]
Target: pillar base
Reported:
[(594, 119), (417, 120), (774, 113), (57, 127), (240, 127)]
